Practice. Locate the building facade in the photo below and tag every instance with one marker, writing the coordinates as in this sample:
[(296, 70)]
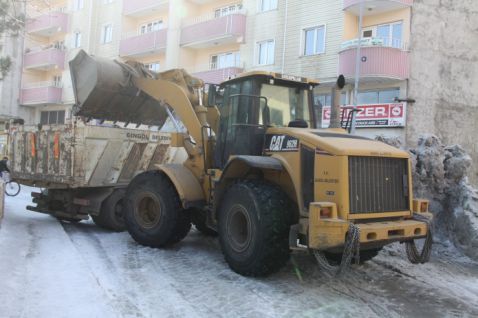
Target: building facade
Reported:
[(216, 39), (11, 47)]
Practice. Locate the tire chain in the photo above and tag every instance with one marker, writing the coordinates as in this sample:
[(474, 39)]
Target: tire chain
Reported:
[(413, 255), (351, 250)]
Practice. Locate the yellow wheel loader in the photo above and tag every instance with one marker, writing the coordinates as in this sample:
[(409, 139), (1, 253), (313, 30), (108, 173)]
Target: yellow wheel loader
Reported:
[(259, 172)]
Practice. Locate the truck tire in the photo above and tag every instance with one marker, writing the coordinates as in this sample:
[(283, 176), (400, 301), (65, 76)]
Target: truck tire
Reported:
[(254, 223), (111, 213), (198, 218), (153, 213)]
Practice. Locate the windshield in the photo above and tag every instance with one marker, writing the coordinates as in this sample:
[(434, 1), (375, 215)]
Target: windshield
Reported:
[(286, 104)]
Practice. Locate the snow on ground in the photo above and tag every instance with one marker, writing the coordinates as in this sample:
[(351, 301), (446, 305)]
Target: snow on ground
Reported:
[(53, 269)]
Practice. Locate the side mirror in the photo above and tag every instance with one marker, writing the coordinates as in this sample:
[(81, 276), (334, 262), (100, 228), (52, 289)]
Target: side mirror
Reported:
[(212, 94)]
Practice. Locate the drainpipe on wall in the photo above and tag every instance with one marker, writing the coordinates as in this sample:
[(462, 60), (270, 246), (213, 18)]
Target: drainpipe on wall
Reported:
[(285, 33)]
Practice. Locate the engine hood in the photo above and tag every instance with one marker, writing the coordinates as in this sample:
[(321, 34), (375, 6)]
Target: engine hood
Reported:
[(339, 143)]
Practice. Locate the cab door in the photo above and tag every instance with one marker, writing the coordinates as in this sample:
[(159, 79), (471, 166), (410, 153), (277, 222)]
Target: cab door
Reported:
[(240, 131)]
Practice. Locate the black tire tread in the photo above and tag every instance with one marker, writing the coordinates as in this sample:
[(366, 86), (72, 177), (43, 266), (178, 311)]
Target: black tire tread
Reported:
[(365, 256), (179, 222), (275, 212), (107, 219), (198, 218)]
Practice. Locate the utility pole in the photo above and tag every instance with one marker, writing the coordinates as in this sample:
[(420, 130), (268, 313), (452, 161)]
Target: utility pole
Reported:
[(357, 68)]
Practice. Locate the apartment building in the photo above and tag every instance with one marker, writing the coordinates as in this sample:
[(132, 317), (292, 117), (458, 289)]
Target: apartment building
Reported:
[(216, 39), (11, 48)]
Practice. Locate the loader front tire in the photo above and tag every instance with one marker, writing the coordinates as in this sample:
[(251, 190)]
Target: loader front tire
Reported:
[(254, 223), (153, 213), (111, 213), (365, 256)]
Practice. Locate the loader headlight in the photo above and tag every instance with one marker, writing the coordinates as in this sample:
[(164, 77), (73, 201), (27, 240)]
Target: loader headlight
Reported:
[(325, 212), (424, 206), (420, 205)]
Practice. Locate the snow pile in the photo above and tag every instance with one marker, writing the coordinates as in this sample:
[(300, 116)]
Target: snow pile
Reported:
[(440, 175)]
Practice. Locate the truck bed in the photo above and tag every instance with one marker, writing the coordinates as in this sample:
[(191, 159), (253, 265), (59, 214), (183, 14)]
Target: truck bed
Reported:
[(79, 155)]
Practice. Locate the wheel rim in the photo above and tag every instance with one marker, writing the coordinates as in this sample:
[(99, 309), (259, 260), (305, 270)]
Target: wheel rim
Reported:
[(239, 228), (148, 210)]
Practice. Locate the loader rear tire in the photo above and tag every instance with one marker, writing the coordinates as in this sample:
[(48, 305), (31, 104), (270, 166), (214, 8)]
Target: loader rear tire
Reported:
[(111, 213), (153, 213), (254, 223)]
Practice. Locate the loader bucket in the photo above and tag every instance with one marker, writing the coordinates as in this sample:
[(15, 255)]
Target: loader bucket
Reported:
[(104, 90)]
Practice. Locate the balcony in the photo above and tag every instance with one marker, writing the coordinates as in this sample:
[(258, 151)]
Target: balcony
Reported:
[(208, 31), (372, 7), (44, 59), (216, 76), (138, 8), (144, 44), (41, 93), (48, 24), (375, 62)]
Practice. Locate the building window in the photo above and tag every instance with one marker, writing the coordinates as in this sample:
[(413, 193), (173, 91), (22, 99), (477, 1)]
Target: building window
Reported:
[(265, 50), (52, 117), (150, 26), (57, 81), (390, 34), (326, 99), (378, 96), (267, 5), (107, 33), (76, 40), (223, 60), (77, 5), (314, 42), (154, 66), (230, 9)]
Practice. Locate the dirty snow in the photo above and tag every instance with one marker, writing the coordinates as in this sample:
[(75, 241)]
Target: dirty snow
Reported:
[(440, 175), (50, 269)]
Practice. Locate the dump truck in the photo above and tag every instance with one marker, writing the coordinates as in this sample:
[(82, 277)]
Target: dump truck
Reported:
[(84, 168), (258, 171)]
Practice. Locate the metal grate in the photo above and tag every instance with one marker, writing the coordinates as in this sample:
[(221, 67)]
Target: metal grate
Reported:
[(307, 157), (378, 184)]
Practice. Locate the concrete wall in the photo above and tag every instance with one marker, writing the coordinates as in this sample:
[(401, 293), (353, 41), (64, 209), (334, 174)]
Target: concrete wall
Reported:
[(444, 73)]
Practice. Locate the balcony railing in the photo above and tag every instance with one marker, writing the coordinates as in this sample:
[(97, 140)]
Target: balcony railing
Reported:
[(375, 62), (375, 41), (216, 75), (372, 7), (141, 7), (48, 24), (144, 44), (40, 93), (45, 59), (209, 30)]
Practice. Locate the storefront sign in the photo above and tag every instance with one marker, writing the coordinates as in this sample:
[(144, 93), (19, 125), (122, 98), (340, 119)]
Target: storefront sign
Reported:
[(376, 115)]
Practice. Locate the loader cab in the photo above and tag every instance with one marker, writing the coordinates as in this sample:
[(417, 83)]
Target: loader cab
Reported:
[(252, 102)]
